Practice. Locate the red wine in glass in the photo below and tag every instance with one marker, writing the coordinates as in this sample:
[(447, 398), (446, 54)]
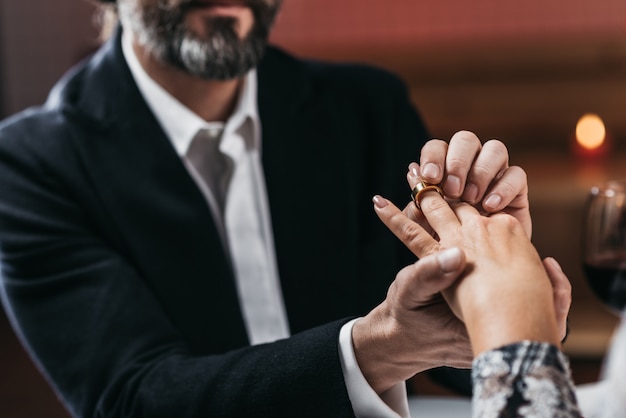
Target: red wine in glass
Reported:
[(606, 276), (604, 243)]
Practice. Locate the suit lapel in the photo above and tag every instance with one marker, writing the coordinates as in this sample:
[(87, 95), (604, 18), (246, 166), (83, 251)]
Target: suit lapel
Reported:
[(305, 165), (162, 219), (132, 166)]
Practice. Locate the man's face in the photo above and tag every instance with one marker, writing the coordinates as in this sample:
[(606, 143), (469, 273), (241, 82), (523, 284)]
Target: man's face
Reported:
[(212, 39)]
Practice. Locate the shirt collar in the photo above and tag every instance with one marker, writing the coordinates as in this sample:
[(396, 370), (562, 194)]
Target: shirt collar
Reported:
[(178, 121)]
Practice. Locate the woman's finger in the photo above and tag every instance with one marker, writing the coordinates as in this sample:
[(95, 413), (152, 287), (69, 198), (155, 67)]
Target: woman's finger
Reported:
[(413, 213), (434, 208), (412, 235)]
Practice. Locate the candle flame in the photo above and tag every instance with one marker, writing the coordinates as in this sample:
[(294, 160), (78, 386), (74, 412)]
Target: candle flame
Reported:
[(590, 131)]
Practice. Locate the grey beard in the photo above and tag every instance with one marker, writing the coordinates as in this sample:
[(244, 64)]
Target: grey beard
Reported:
[(221, 56)]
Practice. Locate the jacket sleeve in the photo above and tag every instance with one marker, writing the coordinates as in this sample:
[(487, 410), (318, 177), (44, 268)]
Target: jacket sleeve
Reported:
[(525, 379), (99, 335)]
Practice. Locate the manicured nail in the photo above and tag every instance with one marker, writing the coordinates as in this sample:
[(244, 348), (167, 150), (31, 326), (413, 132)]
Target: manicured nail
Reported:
[(430, 171), (493, 201), (471, 193), (413, 171), (379, 201), (449, 260), (453, 186)]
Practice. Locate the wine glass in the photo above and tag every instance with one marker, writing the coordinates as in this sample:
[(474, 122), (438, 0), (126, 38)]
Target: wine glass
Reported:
[(604, 243)]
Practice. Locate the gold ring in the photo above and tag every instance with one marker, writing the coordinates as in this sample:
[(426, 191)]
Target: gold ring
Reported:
[(421, 188)]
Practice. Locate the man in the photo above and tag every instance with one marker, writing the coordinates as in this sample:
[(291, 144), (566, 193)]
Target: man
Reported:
[(145, 285)]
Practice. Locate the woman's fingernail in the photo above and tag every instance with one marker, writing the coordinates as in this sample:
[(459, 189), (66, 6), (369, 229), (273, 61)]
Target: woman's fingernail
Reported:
[(379, 201), (430, 171), (413, 171), (449, 260), (493, 201)]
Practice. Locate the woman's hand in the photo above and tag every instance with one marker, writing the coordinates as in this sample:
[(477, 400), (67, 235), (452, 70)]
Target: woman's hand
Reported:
[(505, 294)]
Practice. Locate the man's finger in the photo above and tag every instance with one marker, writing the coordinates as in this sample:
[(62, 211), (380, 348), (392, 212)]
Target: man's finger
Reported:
[(510, 194), (492, 160), (418, 283), (433, 161), (463, 148), (562, 293), (510, 185)]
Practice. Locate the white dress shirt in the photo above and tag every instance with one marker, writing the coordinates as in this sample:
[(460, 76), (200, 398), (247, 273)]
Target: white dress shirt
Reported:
[(260, 299)]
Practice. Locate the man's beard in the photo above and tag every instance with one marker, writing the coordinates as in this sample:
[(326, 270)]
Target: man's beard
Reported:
[(219, 55)]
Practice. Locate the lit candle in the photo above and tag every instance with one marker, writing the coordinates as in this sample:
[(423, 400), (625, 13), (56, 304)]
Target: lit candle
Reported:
[(591, 139)]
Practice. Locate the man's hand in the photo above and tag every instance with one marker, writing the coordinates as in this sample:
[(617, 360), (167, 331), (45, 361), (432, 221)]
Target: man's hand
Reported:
[(561, 292), (413, 329), (476, 173)]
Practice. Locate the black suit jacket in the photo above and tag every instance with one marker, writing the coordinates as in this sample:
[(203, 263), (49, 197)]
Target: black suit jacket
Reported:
[(112, 269)]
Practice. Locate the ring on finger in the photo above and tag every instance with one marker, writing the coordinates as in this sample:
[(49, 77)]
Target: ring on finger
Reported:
[(421, 188)]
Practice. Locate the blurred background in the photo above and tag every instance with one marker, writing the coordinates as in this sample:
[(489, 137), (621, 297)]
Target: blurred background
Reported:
[(522, 72)]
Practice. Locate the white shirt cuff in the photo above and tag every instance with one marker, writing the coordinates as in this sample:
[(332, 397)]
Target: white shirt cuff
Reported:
[(365, 401)]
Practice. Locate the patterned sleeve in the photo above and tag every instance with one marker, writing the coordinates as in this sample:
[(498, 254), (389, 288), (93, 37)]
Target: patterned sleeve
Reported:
[(526, 379)]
